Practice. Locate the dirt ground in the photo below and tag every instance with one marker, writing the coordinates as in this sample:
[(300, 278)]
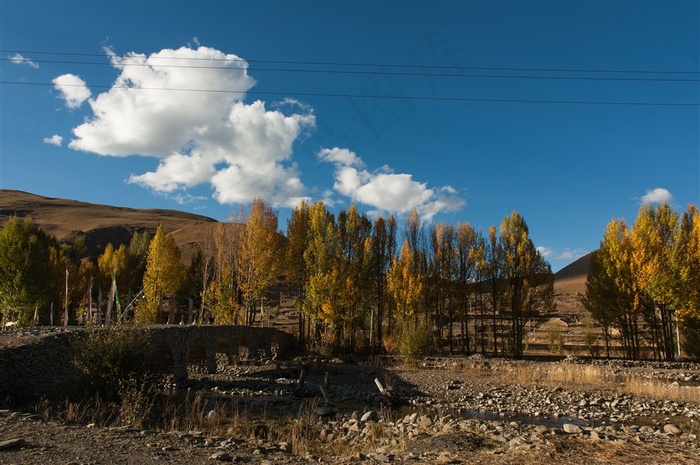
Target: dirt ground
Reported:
[(29, 438)]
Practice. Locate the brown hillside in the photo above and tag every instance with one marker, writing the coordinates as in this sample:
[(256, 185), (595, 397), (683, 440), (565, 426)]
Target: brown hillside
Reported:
[(570, 285), (103, 224)]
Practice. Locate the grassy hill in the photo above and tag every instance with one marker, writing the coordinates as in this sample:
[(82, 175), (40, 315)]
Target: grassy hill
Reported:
[(104, 224)]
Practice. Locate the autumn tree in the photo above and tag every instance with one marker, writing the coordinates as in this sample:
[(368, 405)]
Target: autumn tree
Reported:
[(25, 269), (406, 284), (324, 285), (221, 295), (164, 275), (529, 278), (260, 256), (469, 256), (442, 266), (652, 239), (601, 293), (382, 249), (685, 261), (492, 270), (295, 265)]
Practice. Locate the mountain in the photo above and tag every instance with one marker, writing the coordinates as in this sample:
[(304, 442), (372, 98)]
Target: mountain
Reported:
[(104, 224)]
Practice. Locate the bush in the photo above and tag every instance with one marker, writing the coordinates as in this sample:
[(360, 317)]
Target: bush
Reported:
[(110, 359), (415, 343)]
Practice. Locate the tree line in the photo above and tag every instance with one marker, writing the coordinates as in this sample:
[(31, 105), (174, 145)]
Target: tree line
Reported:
[(360, 284), (644, 283)]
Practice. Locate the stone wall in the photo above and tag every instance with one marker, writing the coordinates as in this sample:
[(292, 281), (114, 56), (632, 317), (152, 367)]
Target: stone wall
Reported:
[(41, 366)]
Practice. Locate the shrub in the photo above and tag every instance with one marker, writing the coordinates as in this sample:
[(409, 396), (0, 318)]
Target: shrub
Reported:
[(110, 359), (415, 343)]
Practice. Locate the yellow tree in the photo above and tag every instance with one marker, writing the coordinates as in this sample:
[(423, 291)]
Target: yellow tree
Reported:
[(652, 238), (615, 254), (260, 256), (528, 276), (442, 267), (164, 275), (296, 270), (221, 294), (405, 284), (381, 249), (324, 285), (469, 257), (112, 277), (685, 258)]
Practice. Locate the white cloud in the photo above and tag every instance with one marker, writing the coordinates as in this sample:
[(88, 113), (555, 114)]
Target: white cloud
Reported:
[(386, 190), (54, 140), (658, 195), (340, 156), (571, 254), (186, 108), (73, 89), (20, 60), (545, 251)]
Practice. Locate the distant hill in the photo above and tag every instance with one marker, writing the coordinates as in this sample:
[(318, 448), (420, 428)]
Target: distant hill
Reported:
[(103, 224)]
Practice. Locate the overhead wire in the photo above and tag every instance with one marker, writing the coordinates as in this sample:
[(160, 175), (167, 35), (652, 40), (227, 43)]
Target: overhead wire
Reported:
[(375, 96), (381, 72)]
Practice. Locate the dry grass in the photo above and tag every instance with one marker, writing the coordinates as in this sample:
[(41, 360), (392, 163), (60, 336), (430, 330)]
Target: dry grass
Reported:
[(599, 377)]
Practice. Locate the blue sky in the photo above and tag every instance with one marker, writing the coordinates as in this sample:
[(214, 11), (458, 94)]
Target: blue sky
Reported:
[(442, 106)]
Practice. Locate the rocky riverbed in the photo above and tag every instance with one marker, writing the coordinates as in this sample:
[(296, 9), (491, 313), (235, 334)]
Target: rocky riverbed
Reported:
[(451, 410)]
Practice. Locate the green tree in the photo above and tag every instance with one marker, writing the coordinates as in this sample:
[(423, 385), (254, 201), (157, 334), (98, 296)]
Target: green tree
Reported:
[(25, 269), (164, 276)]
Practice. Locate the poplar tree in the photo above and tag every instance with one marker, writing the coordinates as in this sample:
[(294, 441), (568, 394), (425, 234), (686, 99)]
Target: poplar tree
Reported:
[(164, 276), (260, 256), (652, 238), (382, 245), (297, 273), (529, 279), (323, 288)]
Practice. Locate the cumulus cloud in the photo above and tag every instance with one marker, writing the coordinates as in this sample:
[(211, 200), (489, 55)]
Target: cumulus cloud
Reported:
[(73, 89), (385, 190), (20, 60), (54, 140), (186, 108), (546, 252), (658, 195)]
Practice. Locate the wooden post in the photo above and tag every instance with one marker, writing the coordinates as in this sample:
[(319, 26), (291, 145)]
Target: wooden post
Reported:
[(327, 381)]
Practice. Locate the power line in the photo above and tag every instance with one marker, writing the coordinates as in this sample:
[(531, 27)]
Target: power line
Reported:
[(378, 73), (379, 65), (379, 96)]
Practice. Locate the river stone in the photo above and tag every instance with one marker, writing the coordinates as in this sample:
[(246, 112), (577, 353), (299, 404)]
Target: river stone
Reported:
[(370, 416), (672, 429), (425, 422), (541, 429), (570, 428), (221, 456)]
